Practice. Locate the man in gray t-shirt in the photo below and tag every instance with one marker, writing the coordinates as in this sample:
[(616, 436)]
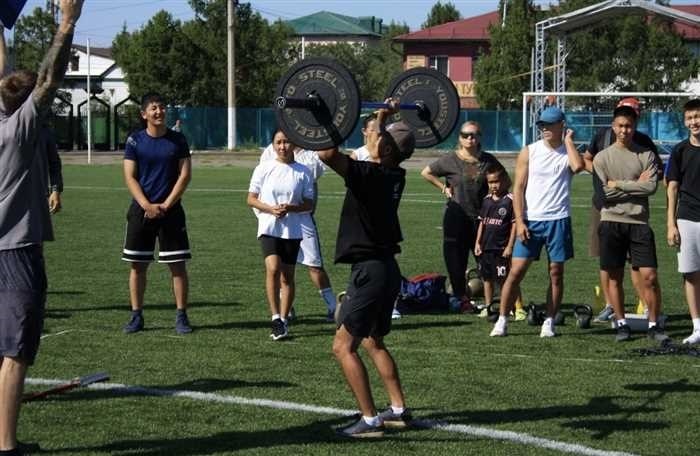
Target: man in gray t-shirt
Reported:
[(24, 218)]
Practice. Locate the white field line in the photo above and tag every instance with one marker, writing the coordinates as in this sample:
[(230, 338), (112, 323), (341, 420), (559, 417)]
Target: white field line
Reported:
[(324, 195), (477, 431)]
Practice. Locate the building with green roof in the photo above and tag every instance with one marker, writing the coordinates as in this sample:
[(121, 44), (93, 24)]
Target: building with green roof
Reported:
[(325, 27)]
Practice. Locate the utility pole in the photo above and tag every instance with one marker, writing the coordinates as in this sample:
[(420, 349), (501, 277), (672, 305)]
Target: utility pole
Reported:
[(231, 66)]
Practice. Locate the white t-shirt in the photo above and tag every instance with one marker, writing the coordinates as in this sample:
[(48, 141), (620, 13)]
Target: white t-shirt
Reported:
[(548, 183), (279, 183), (308, 158), (361, 154)]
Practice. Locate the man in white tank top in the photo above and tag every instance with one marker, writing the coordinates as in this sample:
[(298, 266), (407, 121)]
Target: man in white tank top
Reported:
[(541, 191)]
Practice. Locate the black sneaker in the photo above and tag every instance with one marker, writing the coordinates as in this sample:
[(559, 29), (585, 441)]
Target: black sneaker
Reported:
[(279, 329), (361, 430), (182, 323), (624, 333), (657, 334), (135, 322), (395, 420)]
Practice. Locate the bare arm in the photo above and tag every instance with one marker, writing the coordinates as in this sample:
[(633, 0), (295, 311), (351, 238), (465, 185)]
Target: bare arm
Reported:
[(521, 174), (477, 243), (575, 160), (132, 183), (508, 251), (588, 161), (3, 51), (53, 67), (672, 235), (428, 175), (185, 165), (253, 201)]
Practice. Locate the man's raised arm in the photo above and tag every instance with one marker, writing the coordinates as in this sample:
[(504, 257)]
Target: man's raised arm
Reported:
[(53, 67)]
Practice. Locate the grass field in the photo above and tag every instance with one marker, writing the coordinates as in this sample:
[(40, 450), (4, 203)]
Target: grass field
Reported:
[(579, 393)]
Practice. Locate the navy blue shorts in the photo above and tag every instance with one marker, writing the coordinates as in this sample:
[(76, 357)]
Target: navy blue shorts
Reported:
[(22, 302)]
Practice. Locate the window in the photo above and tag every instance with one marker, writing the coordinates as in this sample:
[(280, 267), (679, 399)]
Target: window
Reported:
[(74, 62), (439, 62)]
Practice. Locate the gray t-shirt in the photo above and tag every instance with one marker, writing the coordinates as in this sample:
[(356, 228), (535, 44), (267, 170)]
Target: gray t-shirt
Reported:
[(24, 212), (467, 180)]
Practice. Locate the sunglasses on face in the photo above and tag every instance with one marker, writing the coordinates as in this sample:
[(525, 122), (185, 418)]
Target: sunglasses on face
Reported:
[(469, 134)]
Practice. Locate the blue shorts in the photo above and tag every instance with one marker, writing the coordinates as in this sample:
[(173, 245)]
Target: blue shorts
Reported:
[(556, 235)]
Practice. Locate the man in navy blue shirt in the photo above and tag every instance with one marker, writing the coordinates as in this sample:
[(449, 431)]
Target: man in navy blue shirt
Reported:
[(157, 169)]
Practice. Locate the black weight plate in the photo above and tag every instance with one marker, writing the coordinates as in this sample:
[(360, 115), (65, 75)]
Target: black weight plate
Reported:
[(439, 96), (330, 125)]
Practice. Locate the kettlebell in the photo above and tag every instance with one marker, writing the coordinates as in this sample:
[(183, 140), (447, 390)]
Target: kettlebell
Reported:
[(559, 318), (535, 315), (493, 311), (584, 314), (339, 299), (474, 283)]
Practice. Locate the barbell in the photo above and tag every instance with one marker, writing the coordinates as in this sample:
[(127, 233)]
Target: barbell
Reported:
[(317, 104)]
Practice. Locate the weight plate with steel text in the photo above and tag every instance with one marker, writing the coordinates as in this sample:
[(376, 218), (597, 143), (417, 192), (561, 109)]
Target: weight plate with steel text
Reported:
[(435, 122), (334, 118)]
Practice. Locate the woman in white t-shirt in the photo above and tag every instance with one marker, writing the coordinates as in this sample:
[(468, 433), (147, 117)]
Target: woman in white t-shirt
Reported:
[(281, 194)]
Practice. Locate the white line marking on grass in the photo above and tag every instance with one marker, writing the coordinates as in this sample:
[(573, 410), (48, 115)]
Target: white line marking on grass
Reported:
[(477, 431), (60, 333)]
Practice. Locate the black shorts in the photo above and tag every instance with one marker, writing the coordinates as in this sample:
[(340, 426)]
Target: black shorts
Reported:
[(141, 234), (286, 249), (22, 302), (369, 299), (618, 240), (492, 266)]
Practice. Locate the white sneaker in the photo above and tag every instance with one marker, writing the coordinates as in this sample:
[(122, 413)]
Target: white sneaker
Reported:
[(395, 314), (693, 339), (547, 330), (498, 331)]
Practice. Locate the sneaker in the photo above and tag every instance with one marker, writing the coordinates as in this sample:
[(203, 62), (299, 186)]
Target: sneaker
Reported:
[(657, 334), (361, 430), (182, 323), (395, 314), (693, 339), (27, 448), (520, 315), (547, 330), (135, 322), (499, 331), (395, 420), (624, 333), (484, 313), (605, 314), (279, 329)]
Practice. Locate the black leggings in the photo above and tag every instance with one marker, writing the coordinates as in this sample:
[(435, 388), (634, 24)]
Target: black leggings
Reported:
[(459, 235)]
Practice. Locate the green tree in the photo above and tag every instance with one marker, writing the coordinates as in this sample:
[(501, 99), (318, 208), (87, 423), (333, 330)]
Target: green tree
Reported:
[(32, 37), (441, 13), (624, 53), (502, 72)]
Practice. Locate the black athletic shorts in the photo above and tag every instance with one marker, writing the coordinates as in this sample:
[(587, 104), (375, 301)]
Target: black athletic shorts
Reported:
[(141, 234), (618, 240), (22, 302), (492, 266), (369, 299), (286, 249)]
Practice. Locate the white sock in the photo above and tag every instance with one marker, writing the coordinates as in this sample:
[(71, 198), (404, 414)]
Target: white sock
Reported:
[(371, 420), (284, 320), (275, 316), (696, 324), (502, 320), (608, 305), (621, 322), (652, 324), (328, 297), (549, 321), (397, 410)]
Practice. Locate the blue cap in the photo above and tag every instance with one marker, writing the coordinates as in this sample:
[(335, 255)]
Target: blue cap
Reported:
[(551, 115)]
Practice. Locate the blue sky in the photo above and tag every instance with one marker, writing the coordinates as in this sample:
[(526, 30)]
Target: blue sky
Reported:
[(102, 19)]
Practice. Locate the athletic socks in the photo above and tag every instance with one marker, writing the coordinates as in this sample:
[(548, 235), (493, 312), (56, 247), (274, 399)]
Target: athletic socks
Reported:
[(397, 410), (502, 320), (275, 317), (621, 322), (372, 420), (696, 324), (328, 297), (652, 324)]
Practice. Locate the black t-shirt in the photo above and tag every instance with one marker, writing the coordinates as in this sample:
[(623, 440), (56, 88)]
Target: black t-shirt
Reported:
[(369, 222), (684, 167), (467, 180), (603, 138), (497, 217)]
